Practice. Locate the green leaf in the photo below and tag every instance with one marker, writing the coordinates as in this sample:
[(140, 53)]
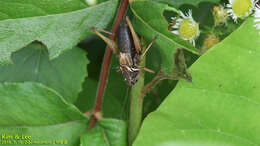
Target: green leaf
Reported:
[(66, 134), (65, 74), (221, 106), (24, 8), (32, 109), (150, 24), (59, 29), (38, 112), (111, 106), (178, 3), (108, 132), (33, 104), (114, 102)]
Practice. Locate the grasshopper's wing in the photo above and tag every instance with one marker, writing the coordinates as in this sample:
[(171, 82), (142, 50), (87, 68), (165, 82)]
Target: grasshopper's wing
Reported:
[(136, 39)]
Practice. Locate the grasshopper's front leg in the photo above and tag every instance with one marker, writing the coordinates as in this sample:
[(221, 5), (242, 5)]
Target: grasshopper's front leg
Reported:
[(111, 43)]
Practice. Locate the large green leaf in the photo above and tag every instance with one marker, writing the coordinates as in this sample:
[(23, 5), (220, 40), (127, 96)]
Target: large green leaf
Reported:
[(221, 106), (65, 134), (178, 3), (33, 104), (111, 106), (60, 25), (24, 8), (150, 24), (38, 112), (65, 74), (107, 132)]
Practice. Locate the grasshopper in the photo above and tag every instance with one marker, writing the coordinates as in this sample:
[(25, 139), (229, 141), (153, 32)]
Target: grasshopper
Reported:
[(128, 49)]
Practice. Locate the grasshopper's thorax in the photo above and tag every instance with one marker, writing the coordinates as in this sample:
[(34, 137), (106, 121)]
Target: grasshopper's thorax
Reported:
[(129, 71), (125, 59), (130, 74)]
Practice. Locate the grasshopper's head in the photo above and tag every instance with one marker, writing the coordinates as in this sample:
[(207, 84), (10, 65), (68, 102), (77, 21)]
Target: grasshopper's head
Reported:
[(130, 75)]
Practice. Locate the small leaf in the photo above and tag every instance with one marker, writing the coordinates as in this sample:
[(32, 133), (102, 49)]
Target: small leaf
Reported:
[(221, 106), (150, 24), (65, 74), (178, 3), (59, 29), (108, 132)]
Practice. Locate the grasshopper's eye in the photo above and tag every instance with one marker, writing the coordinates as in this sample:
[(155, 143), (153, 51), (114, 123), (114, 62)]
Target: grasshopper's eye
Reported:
[(186, 28)]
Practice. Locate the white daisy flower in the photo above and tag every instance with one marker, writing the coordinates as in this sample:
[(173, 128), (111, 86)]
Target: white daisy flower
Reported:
[(186, 27), (240, 8), (257, 17)]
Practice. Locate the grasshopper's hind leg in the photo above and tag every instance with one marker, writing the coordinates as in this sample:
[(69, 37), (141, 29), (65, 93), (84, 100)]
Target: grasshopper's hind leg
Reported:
[(136, 39), (111, 43)]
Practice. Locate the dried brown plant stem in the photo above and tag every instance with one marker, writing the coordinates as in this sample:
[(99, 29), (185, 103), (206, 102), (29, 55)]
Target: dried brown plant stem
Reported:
[(149, 86), (106, 64)]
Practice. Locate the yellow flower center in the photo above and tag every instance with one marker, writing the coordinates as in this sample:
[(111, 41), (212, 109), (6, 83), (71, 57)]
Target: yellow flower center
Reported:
[(188, 29), (242, 8)]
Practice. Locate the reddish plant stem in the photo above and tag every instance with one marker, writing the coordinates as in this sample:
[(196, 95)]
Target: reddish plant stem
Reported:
[(106, 64)]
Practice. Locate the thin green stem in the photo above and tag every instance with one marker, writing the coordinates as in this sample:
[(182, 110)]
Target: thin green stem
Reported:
[(172, 9), (136, 107)]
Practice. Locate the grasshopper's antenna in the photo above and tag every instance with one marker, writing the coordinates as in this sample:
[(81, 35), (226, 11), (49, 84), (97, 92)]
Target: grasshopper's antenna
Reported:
[(94, 29), (145, 69), (149, 46)]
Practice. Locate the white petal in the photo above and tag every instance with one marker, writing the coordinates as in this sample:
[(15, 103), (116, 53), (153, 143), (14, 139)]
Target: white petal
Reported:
[(182, 15), (257, 14), (257, 20), (175, 32), (179, 20), (257, 26), (190, 13), (230, 1), (175, 26), (229, 6), (230, 11), (192, 41)]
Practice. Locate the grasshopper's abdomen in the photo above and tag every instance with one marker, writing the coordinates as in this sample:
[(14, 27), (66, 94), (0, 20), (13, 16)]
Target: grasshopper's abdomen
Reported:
[(124, 38)]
